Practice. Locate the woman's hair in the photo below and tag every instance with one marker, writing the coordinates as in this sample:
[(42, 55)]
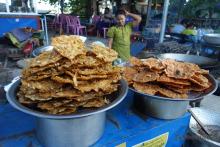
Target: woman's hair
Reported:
[(107, 10), (120, 12), (189, 25)]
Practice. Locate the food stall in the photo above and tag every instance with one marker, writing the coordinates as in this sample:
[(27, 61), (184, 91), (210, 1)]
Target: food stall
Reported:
[(77, 112)]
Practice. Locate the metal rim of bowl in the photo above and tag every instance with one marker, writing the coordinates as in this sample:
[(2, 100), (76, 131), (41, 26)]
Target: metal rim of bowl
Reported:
[(161, 56), (39, 50), (215, 85), (216, 35), (201, 136), (19, 106)]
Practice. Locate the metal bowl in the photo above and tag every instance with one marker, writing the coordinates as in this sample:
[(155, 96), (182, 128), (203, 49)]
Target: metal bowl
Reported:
[(199, 60), (168, 108), (39, 50), (79, 129), (211, 121), (212, 39)]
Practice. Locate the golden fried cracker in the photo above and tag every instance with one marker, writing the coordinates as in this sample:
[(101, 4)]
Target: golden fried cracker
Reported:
[(45, 58), (200, 80), (66, 93), (90, 77), (129, 73), (145, 76), (104, 53), (43, 85), (146, 88), (176, 85), (26, 101), (87, 96), (95, 85), (178, 70), (97, 102), (67, 111), (68, 46), (62, 79), (101, 70), (37, 97), (165, 79), (135, 61), (170, 94), (179, 90), (49, 105), (153, 63)]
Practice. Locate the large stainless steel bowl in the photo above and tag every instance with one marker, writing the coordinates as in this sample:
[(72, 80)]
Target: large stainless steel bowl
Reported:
[(212, 39), (79, 129), (40, 50), (211, 121), (199, 60), (168, 108)]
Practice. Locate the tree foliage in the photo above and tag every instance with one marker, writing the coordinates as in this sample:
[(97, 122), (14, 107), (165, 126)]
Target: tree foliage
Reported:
[(200, 8), (77, 7)]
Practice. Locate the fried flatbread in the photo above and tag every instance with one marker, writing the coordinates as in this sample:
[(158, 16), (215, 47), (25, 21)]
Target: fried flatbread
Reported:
[(45, 58), (178, 70), (102, 70), (165, 79), (135, 61), (63, 79), (97, 102), (200, 80), (129, 73), (95, 85), (146, 88), (153, 63), (106, 54), (170, 94), (68, 46), (145, 76), (179, 90), (43, 85), (86, 61)]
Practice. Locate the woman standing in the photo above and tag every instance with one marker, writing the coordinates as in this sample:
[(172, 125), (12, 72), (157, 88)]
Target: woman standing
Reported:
[(119, 35)]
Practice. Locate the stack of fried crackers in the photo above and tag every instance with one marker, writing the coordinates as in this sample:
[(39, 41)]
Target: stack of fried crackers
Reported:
[(69, 78), (167, 78)]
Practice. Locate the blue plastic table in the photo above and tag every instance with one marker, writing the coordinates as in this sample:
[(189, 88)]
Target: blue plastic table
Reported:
[(124, 128)]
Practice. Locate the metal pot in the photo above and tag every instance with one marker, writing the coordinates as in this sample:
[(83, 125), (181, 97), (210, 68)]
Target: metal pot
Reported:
[(159, 107), (211, 120), (79, 129), (203, 62), (39, 50), (167, 108), (212, 39), (77, 132)]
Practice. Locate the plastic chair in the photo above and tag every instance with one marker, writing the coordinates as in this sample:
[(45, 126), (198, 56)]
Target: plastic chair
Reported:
[(96, 19), (79, 27), (60, 22), (105, 30), (71, 24)]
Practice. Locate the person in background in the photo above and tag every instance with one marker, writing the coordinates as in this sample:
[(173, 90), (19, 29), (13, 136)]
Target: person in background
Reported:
[(107, 17), (119, 35), (190, 30), (105, 21), (179, 28)]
